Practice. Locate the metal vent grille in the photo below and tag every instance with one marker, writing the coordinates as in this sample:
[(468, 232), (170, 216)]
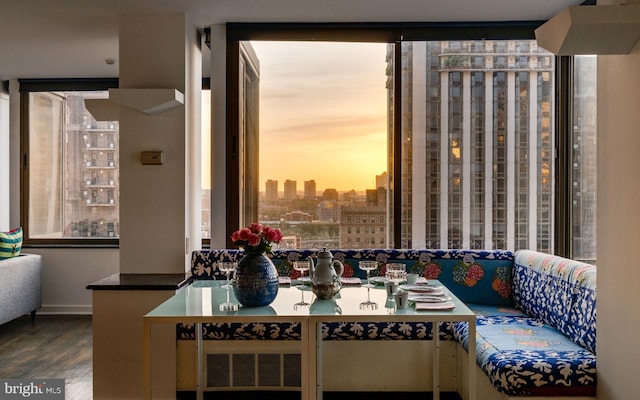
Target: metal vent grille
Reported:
[(266, 370)]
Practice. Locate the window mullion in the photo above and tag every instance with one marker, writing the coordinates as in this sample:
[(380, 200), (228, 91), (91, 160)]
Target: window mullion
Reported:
[(564, 116), (396, 183)]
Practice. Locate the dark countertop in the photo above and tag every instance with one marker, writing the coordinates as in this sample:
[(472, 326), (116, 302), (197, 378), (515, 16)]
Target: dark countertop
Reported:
[(141, 282)]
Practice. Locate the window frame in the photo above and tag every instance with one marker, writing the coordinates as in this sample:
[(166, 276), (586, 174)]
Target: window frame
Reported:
[(396, 33), (345, 32)]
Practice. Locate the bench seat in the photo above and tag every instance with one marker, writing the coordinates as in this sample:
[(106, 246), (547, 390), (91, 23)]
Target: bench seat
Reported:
[(523, 356), (536, 313)]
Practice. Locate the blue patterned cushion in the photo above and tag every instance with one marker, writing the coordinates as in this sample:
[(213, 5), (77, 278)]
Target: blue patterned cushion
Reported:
[(330, 331), (481, 276), (485, 314), (385, 331), (524, 356), (558, 291), (242, 331), (543, 372)]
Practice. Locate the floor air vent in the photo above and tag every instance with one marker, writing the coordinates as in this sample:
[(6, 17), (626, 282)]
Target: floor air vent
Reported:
[(264, 370)]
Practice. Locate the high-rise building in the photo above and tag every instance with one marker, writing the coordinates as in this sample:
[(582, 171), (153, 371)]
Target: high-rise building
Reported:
[(583, 166), (290, 190), (381, 180), (477, 164), (271, 190), (310, 190)]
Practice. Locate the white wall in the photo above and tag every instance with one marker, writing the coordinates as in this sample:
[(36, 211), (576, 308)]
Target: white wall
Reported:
[(66, 274), (618, 225)]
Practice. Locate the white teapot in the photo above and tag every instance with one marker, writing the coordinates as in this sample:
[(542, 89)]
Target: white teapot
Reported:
[(325, 275)]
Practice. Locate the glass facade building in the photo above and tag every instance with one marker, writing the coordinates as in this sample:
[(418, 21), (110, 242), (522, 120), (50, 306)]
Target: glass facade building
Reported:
[(478, 143)]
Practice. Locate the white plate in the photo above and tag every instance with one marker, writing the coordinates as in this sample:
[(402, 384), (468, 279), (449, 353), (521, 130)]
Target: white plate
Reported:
[(424, 298), (378, 280), (421, 288), (447, 305)]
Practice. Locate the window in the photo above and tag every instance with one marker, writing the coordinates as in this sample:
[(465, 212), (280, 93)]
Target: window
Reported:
[(322, 112), (471, 141), (71, 172), (70, 168)]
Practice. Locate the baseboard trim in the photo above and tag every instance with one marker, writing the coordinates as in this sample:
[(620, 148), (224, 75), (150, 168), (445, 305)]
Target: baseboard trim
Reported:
[(65, 310)]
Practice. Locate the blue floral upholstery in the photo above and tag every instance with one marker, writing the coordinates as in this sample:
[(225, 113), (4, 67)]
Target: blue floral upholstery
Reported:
[(242, 331), (330, 331), (536, 313), (524, 356), (546, 344), (558, 291), (481, 276), (385, 331)]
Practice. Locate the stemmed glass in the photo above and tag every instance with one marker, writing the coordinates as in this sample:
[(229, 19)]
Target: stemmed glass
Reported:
[(301, 266), (368, 304), (227, 267), (368, 266)]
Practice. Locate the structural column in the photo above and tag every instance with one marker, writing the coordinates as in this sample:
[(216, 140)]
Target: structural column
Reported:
[(160, 204)]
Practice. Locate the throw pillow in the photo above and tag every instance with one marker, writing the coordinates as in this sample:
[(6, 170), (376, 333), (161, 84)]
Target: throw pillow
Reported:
[(10, 243)]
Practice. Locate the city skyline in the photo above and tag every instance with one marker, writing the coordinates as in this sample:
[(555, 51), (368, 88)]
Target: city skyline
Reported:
[(302, 189)]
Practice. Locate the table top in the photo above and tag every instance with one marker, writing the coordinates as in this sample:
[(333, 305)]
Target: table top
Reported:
[(201, 301), (141, 282)]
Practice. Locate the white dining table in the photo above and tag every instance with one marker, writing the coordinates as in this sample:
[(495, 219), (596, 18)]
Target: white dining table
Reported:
[(200, 303)]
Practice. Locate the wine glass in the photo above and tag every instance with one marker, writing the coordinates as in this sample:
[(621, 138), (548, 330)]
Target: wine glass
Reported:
[(368, 304), (301, 266), (227, 267), (368, 266)]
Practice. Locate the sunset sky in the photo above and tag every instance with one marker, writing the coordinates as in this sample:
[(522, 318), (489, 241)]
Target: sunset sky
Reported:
[(323, 113)]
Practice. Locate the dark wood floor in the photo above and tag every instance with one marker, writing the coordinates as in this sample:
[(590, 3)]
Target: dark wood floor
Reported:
[(61, 347), (57, 347)]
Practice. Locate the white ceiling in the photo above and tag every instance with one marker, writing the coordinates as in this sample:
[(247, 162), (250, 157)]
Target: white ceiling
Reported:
[(72, 38)]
